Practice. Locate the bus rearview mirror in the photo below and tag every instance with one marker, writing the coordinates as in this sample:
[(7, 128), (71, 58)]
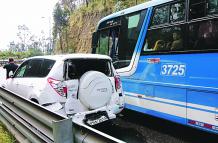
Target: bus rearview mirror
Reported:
[(94, 42)]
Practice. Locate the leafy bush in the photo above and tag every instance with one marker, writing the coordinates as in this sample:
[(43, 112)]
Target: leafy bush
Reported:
[(5, 136)]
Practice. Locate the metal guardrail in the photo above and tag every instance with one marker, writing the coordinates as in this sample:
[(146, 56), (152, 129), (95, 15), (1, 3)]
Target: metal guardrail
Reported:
[(3, 62), (30, 122)]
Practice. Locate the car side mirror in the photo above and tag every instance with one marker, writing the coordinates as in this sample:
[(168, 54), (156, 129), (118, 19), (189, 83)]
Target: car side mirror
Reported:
[(11, 75), (94, 42)]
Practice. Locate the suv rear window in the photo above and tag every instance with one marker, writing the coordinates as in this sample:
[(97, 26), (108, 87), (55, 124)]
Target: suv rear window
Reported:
[(77, 67)]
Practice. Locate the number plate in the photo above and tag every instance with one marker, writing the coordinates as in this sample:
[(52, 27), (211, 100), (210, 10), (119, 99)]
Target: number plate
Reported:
[(97, 121), (96, 118)]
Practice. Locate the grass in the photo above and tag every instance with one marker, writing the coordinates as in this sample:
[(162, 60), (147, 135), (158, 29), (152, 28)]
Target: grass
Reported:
[(5, 135)]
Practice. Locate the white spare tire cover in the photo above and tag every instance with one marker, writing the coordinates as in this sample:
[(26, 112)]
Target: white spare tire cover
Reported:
[(95, 89)]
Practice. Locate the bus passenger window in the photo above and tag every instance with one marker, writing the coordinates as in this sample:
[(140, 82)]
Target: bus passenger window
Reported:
[(203, 35), (177, 12), (177, 43), (197, 8), (161, 15), (165, 39), (212, 6), (159, 45)]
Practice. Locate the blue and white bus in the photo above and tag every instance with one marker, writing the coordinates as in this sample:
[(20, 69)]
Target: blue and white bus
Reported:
[(166, 52)]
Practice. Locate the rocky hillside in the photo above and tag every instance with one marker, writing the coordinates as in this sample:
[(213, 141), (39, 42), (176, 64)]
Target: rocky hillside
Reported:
[(76, 35)]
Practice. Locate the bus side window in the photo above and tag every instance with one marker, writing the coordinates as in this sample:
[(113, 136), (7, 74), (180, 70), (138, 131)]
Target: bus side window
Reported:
[(212, 6), (165, 39), (177, 12), (161, 15), (197, 8), (203, 35)]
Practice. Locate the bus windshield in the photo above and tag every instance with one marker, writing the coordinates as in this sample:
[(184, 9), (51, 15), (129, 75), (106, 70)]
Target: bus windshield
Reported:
[(118, 37)]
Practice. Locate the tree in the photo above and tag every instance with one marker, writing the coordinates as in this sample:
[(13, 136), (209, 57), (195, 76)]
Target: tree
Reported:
[(12, 46), (61, 16), (27, 43), (120, 5), (87, 3), (24, 36), (68, 4)]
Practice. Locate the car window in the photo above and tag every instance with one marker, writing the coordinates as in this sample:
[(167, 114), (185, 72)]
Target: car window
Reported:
[(33, 68), (21, 70), (46, 67)]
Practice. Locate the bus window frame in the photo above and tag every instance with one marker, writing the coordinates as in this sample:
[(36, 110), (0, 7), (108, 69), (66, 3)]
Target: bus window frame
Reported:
[(168, 20), (186, 22), (206, 17), (108, 27), (120, 26), (94, 50)]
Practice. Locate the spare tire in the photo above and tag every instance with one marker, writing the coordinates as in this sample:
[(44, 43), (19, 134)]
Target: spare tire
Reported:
[(95, 89)]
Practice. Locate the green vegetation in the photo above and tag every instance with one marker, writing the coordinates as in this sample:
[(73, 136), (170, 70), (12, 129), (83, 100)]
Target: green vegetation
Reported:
[(20, 55), (27, 45), (73, 28), (5, 136)]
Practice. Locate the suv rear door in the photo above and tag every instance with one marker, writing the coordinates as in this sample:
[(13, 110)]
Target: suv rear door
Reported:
[(71, 79), (75, 68)]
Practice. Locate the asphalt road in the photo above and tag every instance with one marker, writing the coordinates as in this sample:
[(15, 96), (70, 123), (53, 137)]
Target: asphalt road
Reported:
[(138, 128)]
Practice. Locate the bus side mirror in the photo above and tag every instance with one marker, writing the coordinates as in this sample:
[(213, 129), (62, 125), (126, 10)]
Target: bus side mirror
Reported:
[(94, 42)]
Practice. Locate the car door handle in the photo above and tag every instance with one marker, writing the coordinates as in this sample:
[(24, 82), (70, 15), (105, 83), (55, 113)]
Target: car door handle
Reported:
[(17, 83), (31, 85)]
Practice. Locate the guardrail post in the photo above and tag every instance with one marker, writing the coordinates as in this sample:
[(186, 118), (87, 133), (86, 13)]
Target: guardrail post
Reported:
[(62, 131)]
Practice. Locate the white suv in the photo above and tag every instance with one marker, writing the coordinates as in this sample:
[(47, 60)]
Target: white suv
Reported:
[(84, 85)]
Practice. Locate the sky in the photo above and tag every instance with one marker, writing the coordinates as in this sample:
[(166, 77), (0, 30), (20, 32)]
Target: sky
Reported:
[(35, 14)]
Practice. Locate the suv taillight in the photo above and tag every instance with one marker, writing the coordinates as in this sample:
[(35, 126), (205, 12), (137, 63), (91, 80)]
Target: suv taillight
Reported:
[(117, 82), (57, 86), (65, 90)]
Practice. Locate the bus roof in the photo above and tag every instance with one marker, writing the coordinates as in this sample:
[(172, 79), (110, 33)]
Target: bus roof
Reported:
[(134, 9)]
